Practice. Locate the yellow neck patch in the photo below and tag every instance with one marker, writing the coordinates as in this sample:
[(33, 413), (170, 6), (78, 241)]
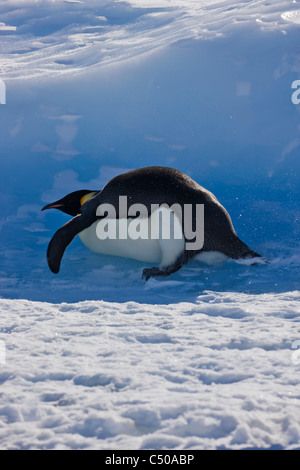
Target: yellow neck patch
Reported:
[(86, 197)]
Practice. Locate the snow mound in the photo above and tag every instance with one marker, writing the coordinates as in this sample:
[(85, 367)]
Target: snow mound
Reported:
[(292, 16)]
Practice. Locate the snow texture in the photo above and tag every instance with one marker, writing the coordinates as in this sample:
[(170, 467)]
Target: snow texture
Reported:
[(95, 357)]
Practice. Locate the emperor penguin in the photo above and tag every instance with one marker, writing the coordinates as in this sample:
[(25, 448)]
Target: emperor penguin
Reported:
[(159, 191)]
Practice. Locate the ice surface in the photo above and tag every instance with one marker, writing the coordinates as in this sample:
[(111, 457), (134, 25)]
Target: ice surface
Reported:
[(95, 357)]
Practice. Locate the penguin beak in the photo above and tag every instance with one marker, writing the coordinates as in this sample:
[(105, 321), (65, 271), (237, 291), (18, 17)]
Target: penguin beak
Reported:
[(53, 205)]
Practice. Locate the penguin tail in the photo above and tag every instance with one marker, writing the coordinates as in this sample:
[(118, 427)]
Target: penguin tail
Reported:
[(240, 251), (62, 238)]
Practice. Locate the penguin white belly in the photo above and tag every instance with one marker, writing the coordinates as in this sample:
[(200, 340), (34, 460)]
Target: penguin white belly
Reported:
[(156, 248), (141, 250)]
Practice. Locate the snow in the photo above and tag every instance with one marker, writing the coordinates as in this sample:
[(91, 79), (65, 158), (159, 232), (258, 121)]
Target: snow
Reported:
[(216, 373), (95, 357)]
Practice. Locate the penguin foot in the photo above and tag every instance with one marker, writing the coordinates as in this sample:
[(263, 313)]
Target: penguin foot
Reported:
[(155, 271), (152, 272), (165, 270)]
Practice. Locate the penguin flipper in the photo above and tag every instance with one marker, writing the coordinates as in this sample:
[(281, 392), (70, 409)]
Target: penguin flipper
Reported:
[(62, 238)]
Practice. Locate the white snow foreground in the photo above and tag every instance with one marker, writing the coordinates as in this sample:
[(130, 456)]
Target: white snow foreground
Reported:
[(222, 372)]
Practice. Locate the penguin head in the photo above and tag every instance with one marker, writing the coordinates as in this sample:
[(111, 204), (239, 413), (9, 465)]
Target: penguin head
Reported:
[(71, 204)]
